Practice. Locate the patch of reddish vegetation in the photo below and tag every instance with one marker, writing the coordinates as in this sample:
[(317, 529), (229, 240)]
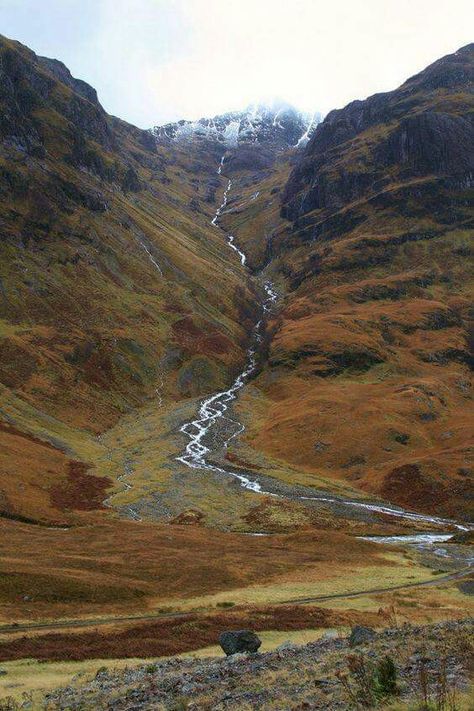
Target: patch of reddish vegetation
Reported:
[(98, 370), (408, 486), (235, 459), (196, 340), (81, 491), (9, 429), (170, 636), (190, 517), (216, 343), (17, 363), (186, 328)]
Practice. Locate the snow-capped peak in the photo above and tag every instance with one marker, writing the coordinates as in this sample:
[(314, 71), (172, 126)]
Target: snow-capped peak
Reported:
[(278, 123)]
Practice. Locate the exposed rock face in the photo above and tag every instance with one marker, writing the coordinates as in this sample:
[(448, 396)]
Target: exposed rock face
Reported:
[(419, 129), (61, 72), (29, 84), (239, 642)]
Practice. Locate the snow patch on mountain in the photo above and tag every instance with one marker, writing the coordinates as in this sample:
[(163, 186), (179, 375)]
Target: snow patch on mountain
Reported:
[(279, 123)]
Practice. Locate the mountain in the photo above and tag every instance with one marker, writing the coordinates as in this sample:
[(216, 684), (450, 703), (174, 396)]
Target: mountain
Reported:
[(371, 357), (278, 124), (421, 131), (91, 218), (106, 288), (109, 251)]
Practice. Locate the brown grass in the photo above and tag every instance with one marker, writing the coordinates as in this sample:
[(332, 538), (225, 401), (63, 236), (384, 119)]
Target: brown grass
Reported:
[(169, 563), (174, 636), (41, 483)]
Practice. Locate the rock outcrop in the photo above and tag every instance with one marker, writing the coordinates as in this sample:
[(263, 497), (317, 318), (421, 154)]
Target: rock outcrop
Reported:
[(424, 128)]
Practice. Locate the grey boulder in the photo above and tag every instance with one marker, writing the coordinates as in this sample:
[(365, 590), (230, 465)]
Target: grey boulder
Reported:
[(361, 635), (237, 642)]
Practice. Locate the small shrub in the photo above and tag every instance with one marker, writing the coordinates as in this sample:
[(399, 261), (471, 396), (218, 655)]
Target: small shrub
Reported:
[(180, 704), (386, 677), (101, 671), (436, 691), (366, 683), (389, 615)]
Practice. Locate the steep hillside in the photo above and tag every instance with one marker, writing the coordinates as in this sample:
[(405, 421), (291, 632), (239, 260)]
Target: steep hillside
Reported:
[(106, 260), (368, 373)]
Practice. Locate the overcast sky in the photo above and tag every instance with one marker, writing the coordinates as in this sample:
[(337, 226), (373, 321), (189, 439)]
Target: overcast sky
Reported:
[(153, 61)]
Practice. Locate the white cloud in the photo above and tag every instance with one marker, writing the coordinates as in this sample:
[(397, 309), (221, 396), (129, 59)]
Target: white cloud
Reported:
[(158, 60)]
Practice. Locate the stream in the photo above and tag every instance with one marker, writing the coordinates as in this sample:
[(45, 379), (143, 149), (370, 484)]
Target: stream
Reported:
[(214, 409)]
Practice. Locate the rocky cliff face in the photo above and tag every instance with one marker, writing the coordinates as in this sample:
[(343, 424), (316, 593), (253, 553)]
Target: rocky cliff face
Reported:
[(30, 84), (423, 129)]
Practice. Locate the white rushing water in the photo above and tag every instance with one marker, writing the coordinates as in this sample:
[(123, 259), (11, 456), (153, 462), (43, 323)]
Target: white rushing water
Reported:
[(122, 478), (230, 242), (150, 256), (223, 204), (393, 511), (427, 542), (418, 538), (214, 408)]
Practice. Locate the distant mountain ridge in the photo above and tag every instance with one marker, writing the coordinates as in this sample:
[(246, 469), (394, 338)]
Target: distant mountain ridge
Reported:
[(279, 123)]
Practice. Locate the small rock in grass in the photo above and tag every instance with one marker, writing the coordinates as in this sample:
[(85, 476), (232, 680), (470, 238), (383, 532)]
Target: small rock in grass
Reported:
[(330, 634), (286, 645)]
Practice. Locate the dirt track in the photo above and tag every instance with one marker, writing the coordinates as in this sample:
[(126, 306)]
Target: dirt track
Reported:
[(62, 624)]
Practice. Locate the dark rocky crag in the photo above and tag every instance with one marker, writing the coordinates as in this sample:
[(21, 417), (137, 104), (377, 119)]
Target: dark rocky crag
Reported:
[(424, 129)]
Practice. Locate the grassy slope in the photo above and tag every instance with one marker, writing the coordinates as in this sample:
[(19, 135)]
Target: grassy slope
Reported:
[(368, 380), (90, 327)]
